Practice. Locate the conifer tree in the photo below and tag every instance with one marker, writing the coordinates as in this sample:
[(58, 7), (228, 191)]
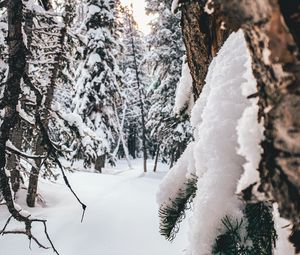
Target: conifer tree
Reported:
[(97, 82)]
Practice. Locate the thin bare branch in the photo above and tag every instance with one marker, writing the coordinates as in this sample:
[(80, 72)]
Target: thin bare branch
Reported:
[(31, 237), (7, 222)]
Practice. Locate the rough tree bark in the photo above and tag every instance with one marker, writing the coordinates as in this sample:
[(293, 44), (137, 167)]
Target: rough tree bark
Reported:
[(10, 100), (13, 161), (203, 36), (272, 32)]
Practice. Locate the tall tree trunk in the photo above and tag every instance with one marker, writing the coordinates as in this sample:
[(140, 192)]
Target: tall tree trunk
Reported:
[(12, 92), (141, 98), (13, 164)]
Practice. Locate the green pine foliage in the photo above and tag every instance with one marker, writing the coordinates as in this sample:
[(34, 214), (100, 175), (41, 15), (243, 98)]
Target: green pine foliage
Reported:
[(261, 228), (231, 242), (172, 215), (254, 234)]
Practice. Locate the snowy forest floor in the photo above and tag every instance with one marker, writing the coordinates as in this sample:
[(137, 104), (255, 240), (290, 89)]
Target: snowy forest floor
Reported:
[(121, 216)]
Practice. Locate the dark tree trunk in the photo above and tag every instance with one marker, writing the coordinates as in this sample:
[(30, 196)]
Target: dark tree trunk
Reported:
[(156, 158), (203, 36), (100, 163), (12, 92), (17, 134), (34, 173), (278, 78), (13, 160), (32, 187), (131, 146), (132, 142), (172, 159)]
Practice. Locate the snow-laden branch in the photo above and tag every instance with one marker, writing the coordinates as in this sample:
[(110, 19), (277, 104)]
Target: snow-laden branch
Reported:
[(13, 149)]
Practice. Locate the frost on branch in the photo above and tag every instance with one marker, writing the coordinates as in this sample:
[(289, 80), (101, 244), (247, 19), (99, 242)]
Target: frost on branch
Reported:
[(184, 95)]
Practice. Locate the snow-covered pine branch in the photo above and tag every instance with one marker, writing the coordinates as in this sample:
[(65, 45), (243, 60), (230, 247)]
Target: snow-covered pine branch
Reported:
[(218, 166)]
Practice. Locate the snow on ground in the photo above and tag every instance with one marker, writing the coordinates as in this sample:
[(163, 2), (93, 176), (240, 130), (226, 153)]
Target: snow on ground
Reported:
[(121, 218)]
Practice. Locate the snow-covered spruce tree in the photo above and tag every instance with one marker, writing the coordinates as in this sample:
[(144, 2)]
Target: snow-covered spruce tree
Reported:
[(97, 83), (229, 138), (135, 81), (170, 130)]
